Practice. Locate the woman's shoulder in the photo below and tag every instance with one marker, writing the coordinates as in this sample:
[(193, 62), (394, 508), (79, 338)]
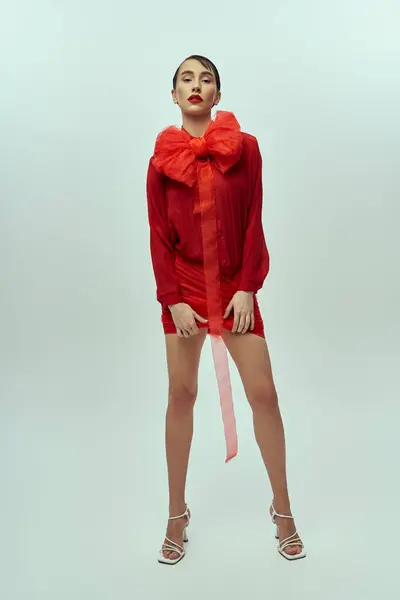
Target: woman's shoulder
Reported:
[(250, 148), (249, 140)]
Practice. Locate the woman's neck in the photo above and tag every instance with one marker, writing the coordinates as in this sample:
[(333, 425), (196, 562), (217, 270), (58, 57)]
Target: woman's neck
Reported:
[(196, 126)]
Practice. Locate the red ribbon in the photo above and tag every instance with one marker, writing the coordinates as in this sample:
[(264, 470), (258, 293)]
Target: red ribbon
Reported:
[(212, 280), (188, 159)]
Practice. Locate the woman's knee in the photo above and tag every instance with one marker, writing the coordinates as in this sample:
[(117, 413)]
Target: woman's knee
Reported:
[(262, 394), (182, 396)]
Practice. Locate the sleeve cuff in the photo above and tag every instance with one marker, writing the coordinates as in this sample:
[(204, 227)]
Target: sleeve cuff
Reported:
[(169, 299), (249, 286)]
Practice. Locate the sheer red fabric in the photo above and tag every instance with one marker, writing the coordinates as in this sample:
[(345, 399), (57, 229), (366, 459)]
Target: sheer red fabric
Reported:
[(192, 284), (193, 161), (176, 151)]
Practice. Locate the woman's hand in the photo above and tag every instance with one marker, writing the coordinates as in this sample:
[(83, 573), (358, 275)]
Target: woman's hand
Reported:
[(184, 318), (243, 310)]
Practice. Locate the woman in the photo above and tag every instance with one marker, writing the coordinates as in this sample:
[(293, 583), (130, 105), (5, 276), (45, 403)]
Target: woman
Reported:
[(204, 192)]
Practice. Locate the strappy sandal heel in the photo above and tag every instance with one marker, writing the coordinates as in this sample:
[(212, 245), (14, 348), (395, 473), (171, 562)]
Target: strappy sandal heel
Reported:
[(292, 540), (174, 546)]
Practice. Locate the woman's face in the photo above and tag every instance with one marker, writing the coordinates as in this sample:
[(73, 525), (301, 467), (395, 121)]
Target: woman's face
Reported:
[(195, 79)]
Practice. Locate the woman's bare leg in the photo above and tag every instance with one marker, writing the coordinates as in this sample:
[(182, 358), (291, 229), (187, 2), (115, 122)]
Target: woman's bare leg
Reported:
[(183, 357), (251, 356)]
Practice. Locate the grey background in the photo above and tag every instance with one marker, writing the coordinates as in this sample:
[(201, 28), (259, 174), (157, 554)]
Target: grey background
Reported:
[(85, 88)]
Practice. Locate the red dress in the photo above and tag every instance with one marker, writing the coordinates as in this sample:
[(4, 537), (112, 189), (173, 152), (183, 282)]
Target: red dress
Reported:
[(206, 235)]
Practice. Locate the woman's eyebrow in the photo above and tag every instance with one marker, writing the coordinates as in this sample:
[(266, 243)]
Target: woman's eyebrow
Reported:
[(202, 73)]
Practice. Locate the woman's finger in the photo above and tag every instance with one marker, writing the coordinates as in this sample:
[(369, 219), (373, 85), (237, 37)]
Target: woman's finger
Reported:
[(184, 330), (193, 329), (199, 318), (235, 321), (252, 321), (238, 321), (228, 309), (247, 323), (242, 322)]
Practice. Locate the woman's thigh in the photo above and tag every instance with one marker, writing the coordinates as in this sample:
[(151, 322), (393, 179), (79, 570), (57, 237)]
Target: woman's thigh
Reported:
[(251, 356), (183, 358)]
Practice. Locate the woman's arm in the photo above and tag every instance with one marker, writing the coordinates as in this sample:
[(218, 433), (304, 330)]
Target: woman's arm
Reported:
[(162, 254), (255, 261)]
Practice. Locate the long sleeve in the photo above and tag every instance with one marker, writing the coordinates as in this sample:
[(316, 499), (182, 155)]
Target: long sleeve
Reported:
[(255, 261), (162, 253)]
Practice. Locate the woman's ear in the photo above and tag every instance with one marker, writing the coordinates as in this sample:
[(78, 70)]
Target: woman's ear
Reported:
[(217, 99)]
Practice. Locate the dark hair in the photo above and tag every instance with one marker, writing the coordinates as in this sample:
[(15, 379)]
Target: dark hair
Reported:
[(206, 62)]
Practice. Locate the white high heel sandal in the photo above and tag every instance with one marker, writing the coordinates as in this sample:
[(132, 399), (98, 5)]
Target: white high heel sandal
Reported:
[(174, 546), (292, 540)]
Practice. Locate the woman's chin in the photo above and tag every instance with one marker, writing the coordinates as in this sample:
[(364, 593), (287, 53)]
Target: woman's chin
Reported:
[(197, 109)]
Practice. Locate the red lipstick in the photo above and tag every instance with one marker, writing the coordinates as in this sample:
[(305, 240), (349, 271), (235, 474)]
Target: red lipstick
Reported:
[(195, 99)]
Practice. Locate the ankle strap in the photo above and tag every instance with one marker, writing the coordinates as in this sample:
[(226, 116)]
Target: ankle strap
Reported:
[(275, 514), (185, 514)]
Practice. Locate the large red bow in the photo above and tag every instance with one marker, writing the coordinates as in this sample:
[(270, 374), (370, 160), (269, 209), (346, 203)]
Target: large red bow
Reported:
[(176, 151)]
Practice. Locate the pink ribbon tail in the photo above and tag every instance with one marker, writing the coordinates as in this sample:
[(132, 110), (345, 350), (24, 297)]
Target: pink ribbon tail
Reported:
[(221, 363)]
